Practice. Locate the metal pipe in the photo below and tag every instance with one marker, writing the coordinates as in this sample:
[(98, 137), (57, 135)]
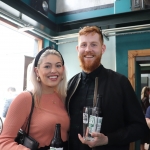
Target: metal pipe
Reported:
[(66, 42), (21, 23), (114, 34), (12, 17), (107, 32), (44, 36), (117, 34)]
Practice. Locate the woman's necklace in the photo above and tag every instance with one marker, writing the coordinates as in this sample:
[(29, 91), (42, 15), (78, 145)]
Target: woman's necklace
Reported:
[(53, 101)]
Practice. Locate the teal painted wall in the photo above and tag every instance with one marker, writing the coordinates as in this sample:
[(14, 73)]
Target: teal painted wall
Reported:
[(26, 2), (123, 45), (129, 42), (85, 15), (52, 5), (122, 6), (47, 43)]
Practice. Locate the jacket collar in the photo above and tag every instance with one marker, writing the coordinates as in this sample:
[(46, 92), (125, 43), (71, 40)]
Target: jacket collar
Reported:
[(93, 74)]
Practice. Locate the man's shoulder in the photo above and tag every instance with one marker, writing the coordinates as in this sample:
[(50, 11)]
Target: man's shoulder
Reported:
[(112, 72), (78, 75)]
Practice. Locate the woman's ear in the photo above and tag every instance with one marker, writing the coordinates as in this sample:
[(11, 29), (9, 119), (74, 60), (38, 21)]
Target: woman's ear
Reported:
[(36, 71)]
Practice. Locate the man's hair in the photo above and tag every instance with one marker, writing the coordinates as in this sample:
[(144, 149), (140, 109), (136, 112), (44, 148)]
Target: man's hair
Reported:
[(91, 29)]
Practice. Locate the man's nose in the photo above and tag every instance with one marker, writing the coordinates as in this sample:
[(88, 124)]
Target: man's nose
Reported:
[(88, 48)]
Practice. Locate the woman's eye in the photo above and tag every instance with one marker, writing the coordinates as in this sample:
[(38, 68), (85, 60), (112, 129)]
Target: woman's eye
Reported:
[(47, 67), (58, 66)]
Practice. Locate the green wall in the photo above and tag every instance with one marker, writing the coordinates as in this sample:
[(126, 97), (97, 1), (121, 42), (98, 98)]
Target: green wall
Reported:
[(123, 45), (129, 42), (118, 6)]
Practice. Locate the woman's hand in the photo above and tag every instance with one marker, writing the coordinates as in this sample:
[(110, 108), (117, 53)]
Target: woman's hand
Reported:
[(99, 140)]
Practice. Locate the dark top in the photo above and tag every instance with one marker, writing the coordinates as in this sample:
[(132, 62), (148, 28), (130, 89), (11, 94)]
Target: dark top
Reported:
[(147, 115), (82, 97), (123, 119), (145, 104)]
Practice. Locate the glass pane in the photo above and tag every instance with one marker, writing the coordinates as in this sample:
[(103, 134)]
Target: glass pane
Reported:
[(13, 48)]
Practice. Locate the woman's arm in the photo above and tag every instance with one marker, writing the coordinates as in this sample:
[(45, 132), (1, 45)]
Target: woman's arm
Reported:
[(15, 119)]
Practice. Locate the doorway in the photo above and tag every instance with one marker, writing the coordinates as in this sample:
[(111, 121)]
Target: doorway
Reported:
[(134, 72), (132, 54)]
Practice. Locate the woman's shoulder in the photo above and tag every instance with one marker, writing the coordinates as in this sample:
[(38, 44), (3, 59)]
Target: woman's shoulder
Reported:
[(24, 97)]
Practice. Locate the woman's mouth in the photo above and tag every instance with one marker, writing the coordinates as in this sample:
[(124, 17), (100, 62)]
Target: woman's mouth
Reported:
[(53, 78)]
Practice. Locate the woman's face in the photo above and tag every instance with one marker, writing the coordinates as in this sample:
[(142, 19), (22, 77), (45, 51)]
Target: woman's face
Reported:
[(50, 71), (147, 92)]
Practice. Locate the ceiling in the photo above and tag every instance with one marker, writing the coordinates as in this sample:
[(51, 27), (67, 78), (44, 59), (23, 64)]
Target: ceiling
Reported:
[(111, 25)]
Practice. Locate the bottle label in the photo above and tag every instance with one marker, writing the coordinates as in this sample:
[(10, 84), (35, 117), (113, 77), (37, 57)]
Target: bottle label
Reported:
[(92, 124), (99, 123), (54, 148), (85, 118)]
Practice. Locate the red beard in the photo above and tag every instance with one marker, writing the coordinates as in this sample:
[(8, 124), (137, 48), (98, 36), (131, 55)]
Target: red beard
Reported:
[(89, 65)]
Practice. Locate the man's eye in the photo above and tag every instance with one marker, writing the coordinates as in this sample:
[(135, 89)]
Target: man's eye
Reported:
[(93, 44), (83, 45)]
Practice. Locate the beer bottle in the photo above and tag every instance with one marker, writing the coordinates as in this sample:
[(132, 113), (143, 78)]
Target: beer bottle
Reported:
[(57, 143)]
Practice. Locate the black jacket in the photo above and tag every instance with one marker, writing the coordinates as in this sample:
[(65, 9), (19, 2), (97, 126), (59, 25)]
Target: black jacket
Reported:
[(123, 119)]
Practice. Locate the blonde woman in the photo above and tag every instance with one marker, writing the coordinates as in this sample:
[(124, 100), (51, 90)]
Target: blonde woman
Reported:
[(48, 77)]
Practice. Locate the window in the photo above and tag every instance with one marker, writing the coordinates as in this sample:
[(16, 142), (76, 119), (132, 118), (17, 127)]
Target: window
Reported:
[(14, 48)]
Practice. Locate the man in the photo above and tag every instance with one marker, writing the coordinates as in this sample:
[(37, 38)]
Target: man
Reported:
[(123, 119), (11, 94)]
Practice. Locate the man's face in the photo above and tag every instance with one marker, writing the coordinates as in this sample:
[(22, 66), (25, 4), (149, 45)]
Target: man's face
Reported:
[(90, 50)]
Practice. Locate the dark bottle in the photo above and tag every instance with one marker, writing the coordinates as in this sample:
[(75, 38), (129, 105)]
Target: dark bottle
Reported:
[(57, 143)]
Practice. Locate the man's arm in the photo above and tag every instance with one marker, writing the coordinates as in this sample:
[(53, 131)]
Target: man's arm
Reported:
[(135, 124)]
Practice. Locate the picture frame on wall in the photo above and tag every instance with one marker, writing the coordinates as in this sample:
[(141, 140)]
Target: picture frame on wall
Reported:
[(140, 4), (137, 4)]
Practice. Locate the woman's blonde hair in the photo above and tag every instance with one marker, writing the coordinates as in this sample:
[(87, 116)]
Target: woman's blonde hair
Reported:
[(37, 90)]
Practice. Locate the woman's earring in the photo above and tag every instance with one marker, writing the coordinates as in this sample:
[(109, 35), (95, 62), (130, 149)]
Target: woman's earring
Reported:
[(38, 79)]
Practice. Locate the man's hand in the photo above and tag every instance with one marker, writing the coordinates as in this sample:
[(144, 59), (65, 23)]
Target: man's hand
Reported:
[(99, 140)]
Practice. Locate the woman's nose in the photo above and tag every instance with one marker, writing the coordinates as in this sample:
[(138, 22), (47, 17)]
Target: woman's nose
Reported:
[(53, 69)]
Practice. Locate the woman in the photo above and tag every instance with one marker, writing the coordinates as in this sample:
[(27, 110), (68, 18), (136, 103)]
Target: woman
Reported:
[(48, 77), (145, 98), (145, 104), (147, 117)]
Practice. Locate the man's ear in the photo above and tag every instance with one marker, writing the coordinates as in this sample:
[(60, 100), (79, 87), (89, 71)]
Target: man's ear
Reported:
[(103, 48), (77, 48)]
